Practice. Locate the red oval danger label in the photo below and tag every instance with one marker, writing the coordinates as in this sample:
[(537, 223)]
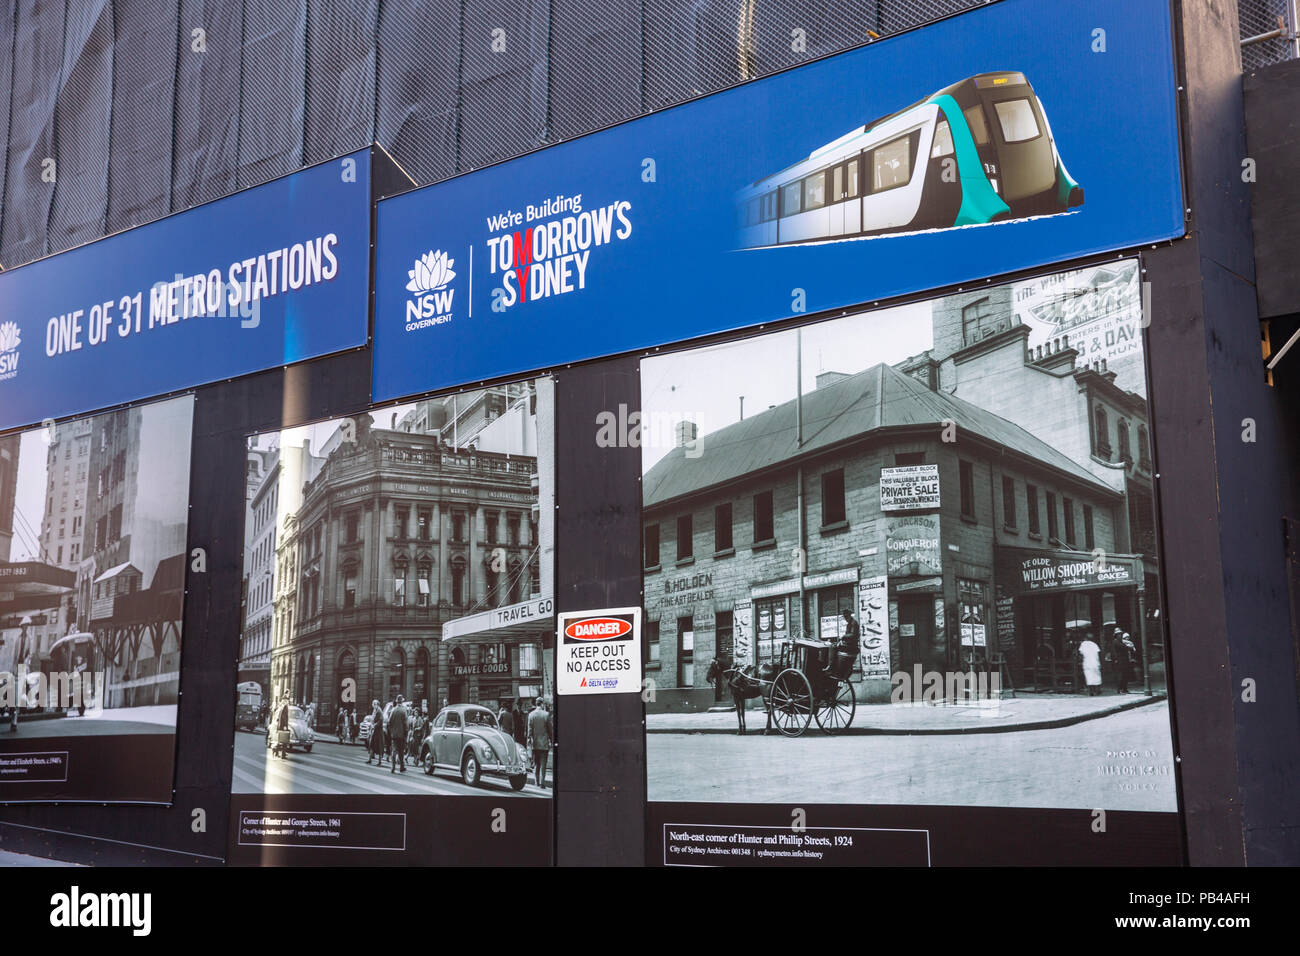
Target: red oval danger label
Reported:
[(598, 628)]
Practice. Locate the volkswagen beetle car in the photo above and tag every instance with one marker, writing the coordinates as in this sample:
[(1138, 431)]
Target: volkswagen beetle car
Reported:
[(465, 738), (300, 735)]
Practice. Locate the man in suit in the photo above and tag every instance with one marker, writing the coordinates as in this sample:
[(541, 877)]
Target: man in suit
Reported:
[(396, 730), (540, 731)]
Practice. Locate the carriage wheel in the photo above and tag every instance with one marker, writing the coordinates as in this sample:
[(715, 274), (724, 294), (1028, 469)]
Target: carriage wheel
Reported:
[(835, 713), (792, 702)]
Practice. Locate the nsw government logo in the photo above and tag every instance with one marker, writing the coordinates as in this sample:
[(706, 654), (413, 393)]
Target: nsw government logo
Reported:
[(430, 303), (9, 342)]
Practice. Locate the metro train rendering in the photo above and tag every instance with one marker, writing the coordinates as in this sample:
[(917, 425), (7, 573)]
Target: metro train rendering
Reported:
[(986, 154)]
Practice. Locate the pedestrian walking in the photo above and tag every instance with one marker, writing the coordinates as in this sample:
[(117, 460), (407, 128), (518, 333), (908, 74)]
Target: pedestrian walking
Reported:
[(506, 721), (396, 729), (518, 722), (375, 748), (1090, 654), (540, 731)]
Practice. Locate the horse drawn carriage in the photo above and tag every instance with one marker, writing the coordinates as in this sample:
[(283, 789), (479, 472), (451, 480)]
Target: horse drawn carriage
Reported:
[(808, 681)]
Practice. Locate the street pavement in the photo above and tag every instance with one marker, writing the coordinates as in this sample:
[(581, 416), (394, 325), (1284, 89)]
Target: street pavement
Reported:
[(332, 767), (109, 722), (1121, 761), (1024, 711)]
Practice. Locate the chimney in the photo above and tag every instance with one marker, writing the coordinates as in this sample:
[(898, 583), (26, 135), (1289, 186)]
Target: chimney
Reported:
[(686, 433), (306, 447), (830, 378)]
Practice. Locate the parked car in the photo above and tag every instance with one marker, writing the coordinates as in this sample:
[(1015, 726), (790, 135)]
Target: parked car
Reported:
[(300, 735), (465, 738)]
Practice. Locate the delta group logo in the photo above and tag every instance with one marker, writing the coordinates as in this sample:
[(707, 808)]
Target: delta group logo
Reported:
[(431, 299), (10, 339)]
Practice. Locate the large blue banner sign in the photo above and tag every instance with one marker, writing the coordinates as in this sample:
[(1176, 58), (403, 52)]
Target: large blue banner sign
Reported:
[(1020, 134), (259, 279)]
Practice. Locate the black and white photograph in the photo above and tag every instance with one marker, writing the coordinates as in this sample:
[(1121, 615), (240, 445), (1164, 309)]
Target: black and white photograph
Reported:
[(398, 633), (908, 557), (93, 519)]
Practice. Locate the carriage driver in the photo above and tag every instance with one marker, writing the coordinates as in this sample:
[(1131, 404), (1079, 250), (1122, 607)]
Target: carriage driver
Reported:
[(846, 648)]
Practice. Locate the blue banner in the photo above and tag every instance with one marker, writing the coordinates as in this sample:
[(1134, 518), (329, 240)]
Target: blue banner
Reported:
[(268, 276), (1013, 136)]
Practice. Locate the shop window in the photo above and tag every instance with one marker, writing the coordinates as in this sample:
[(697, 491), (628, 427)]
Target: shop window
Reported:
[(685, 537), (1031, 508), (967, 472), (1009, 502), (652, 546), (722, 528), (498, 653), (652, 643), (833, 512), (686, 652), (771, 628), (1089, 539), (1053, 530), (972, 601), (763, 526)]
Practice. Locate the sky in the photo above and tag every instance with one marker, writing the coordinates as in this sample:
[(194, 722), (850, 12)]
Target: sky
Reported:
[(705, 384)]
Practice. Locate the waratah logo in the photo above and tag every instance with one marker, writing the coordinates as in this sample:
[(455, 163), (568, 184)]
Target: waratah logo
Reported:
[(431, 303), (9, 342)]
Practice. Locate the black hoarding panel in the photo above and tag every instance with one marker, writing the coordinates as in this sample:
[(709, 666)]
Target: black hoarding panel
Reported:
[(81, 127), (272, 84), (207, 114), (144, 94), (502, 80), (6, 89), (418, 86), (340, 78), (38, 62), (596, 70), (690, 48)]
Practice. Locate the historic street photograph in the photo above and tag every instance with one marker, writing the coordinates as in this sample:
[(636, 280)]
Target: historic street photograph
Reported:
[(93, 518), (398, 601), (915, 548)]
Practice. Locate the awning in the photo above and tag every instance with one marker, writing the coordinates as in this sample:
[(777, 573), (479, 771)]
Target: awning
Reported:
[(520, 619)]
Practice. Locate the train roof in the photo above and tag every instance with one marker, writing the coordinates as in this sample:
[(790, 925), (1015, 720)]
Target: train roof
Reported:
[(980, 81)]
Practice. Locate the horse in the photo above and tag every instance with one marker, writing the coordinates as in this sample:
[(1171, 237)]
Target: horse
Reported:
[(746, 683)]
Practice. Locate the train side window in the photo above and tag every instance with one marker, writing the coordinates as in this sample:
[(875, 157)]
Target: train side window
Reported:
[(792, 198), (814, 191), (942, 140), (979, 127), (1016, 117), (892, 164), (837, 193), (852, 179)]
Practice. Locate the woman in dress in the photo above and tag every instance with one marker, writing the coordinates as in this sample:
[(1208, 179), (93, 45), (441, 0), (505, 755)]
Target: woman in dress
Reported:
[(1091, 654)]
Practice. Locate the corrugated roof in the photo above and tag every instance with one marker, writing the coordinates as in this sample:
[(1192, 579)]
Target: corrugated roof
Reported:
[(876, 399)]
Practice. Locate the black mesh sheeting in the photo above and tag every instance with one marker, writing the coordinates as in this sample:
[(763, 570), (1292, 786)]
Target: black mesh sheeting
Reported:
[(896, 15), (503, 91), (595, 74), (340, 78), (205, 142), (38, 69), (418, 84), (690, 48), (6, 88), (81, 127), (144, 93), (271, 102), (789, 32)]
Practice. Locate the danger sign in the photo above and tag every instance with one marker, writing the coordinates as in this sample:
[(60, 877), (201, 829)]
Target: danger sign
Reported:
[(598, 652)]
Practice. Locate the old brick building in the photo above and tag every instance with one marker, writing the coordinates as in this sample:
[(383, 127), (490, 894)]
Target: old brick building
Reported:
[(967, 496)]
